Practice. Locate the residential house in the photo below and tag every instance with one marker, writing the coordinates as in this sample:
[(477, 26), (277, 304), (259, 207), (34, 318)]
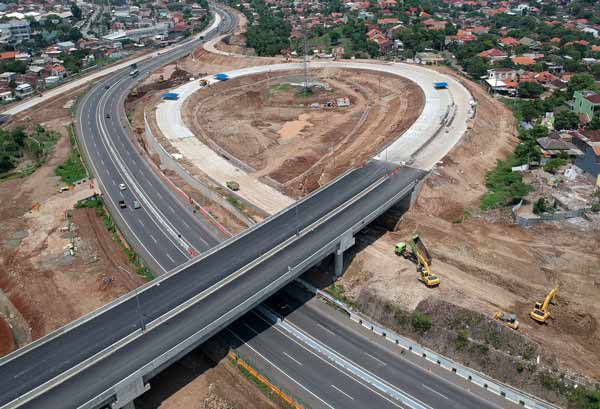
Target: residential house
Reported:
[(523, 60), (509, 42), (586, 104), (493, 55), (7, 77), (22, 90), (557, 144)]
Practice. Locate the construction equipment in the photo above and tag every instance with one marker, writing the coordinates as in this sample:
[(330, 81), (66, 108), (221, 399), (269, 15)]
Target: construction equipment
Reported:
[(509, 320), (235, 186), (420, 255), (541, 311)]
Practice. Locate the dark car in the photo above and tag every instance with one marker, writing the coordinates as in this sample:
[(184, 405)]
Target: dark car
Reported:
[(106, 86), (122, 204), (108, 115)]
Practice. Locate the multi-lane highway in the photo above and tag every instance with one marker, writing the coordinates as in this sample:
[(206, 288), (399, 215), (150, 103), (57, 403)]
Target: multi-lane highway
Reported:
[(134, 336)]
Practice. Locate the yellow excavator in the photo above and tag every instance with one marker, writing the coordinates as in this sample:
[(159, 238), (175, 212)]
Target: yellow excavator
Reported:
[(420, 255), (508, 320), (541, 311)]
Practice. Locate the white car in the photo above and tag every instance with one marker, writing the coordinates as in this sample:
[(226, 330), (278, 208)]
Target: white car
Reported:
[(122, 186)]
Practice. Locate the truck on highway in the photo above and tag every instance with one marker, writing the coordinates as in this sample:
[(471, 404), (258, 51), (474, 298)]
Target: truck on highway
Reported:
[(440, 85)]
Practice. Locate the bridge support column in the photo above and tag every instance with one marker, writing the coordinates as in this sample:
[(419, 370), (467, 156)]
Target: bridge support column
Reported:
[(128, 390), (346, 242)]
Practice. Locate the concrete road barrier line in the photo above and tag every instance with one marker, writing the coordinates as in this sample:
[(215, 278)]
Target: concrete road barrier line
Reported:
[(341, 360), (117, 160), (508, 392), (119, 300), (202, 295)]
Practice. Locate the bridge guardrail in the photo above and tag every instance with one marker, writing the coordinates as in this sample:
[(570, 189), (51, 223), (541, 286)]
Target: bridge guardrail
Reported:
[(508, 392)]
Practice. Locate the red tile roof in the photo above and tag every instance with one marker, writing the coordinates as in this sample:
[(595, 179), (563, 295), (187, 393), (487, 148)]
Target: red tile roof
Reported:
[(520, 60)]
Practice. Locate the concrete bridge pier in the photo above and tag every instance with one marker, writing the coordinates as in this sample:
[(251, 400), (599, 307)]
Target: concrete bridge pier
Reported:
[(346, 241), (128, 390)]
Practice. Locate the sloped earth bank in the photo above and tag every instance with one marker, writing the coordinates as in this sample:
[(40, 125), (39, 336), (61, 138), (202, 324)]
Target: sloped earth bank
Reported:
[(486, 264)]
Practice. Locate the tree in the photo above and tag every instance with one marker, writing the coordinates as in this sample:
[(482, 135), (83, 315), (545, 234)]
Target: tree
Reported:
[(596, 70), (476, 67), (530, 90), (580, 82), (76, 11), (594, 124), (565, 120), (334, 36)]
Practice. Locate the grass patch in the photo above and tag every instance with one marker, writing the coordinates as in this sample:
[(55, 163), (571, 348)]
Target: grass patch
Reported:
[(72, 169), (339, 293), (96, 202), (505, 186), (274, 89), (420, 321)]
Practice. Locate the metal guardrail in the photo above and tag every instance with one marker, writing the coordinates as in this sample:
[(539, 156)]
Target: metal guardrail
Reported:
[(340, 361), (508, 392)]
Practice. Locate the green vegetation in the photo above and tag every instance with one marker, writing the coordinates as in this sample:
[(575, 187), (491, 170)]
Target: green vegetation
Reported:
[(72, 169), (15, 144), (505, 186), (462, 339), (420, 321), (530, 90), (96, 202), (338, 292), (271, 35), (276, 88), (554, 164), (566, 120), (542, 206)]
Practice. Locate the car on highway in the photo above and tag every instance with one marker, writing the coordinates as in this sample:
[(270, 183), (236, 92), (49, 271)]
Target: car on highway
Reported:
[(106, 86), (136, 204), (108, 115), (122, 204), (122, 186)]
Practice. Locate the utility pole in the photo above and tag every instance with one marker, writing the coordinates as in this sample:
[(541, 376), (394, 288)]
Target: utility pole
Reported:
[(306, 82)]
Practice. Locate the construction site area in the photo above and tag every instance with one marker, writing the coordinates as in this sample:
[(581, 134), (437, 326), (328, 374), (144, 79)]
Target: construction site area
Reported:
[(58, 262), (304, 139), (485, 262)]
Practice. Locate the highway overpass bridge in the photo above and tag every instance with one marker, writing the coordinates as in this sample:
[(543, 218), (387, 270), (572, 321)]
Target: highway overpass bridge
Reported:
[(108, 356)]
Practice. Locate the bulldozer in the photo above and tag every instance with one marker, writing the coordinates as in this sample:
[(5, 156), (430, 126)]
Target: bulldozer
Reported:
[(508, 320), (420, 255), (541, 310)]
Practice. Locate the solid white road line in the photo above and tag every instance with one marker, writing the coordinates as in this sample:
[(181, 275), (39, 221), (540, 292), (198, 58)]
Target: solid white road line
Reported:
[(342, 371), (378, 360), (279, 369), (342, 392), (325, 328), (288, 355), (434, 391)]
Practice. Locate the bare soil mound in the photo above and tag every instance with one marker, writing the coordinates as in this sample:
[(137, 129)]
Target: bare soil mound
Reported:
[(270, 125)]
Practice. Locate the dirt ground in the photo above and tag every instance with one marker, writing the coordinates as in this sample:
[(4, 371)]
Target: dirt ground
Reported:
[(35, 271), (265, 123), (203, 379), (485, 262)]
